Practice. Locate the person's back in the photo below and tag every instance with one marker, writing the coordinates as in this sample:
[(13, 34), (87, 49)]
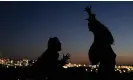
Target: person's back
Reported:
[(48, 58)]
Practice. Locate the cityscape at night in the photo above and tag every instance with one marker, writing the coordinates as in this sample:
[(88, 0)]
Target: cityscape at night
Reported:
[(64, 40), (7, 63)]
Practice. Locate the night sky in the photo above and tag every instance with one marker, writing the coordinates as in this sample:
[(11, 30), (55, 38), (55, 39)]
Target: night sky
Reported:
[(25, 28)]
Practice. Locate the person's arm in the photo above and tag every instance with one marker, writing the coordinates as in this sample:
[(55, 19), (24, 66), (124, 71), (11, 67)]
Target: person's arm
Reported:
[(91, 15), (61, 63), (64, 60)]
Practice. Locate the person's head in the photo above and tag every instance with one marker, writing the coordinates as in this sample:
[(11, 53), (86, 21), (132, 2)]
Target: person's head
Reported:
[(54, 44)]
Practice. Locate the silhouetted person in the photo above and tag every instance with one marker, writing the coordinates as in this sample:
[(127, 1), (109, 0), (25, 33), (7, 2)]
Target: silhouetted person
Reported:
[(48, 64), (101, 50)]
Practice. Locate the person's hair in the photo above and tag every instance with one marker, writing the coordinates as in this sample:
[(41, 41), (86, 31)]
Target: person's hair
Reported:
[(53, 42), (108, 35), (96, 26)]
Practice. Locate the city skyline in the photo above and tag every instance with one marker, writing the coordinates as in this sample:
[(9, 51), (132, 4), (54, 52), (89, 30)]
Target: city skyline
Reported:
[(25, 28)]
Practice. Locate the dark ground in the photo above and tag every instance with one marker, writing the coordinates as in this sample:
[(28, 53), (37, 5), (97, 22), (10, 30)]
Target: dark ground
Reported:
[(68, 74)]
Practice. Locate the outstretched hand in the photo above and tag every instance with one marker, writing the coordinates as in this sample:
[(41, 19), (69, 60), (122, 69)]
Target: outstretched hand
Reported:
[(88, 9), (65, 58), (91, 15)]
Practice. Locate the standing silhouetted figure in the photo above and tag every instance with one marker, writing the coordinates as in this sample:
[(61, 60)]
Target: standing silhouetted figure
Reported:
[(101, 50), (48, 64)]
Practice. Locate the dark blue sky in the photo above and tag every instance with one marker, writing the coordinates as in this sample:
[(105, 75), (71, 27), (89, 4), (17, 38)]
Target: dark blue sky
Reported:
[(25, 28)]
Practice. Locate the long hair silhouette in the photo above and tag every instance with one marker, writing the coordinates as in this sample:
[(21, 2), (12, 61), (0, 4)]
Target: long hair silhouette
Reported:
[(98, 28), (101, 50)]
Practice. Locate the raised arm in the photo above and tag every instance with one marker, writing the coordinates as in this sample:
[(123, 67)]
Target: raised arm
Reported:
[(91, 15), (88, 10)]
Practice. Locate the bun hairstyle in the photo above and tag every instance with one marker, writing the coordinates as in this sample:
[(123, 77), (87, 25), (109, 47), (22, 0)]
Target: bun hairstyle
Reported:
[(53, 42)]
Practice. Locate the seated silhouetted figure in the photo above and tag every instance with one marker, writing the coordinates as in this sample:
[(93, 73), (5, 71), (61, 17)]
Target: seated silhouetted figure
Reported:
[(48, 64), (101, 50)]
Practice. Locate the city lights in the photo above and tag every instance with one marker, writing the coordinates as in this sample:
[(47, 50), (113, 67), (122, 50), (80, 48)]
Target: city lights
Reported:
[(15, 63), (25, 62), (121, 69)]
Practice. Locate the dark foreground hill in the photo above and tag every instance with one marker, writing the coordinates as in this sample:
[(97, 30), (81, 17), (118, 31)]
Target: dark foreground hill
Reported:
[(67, 74)]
